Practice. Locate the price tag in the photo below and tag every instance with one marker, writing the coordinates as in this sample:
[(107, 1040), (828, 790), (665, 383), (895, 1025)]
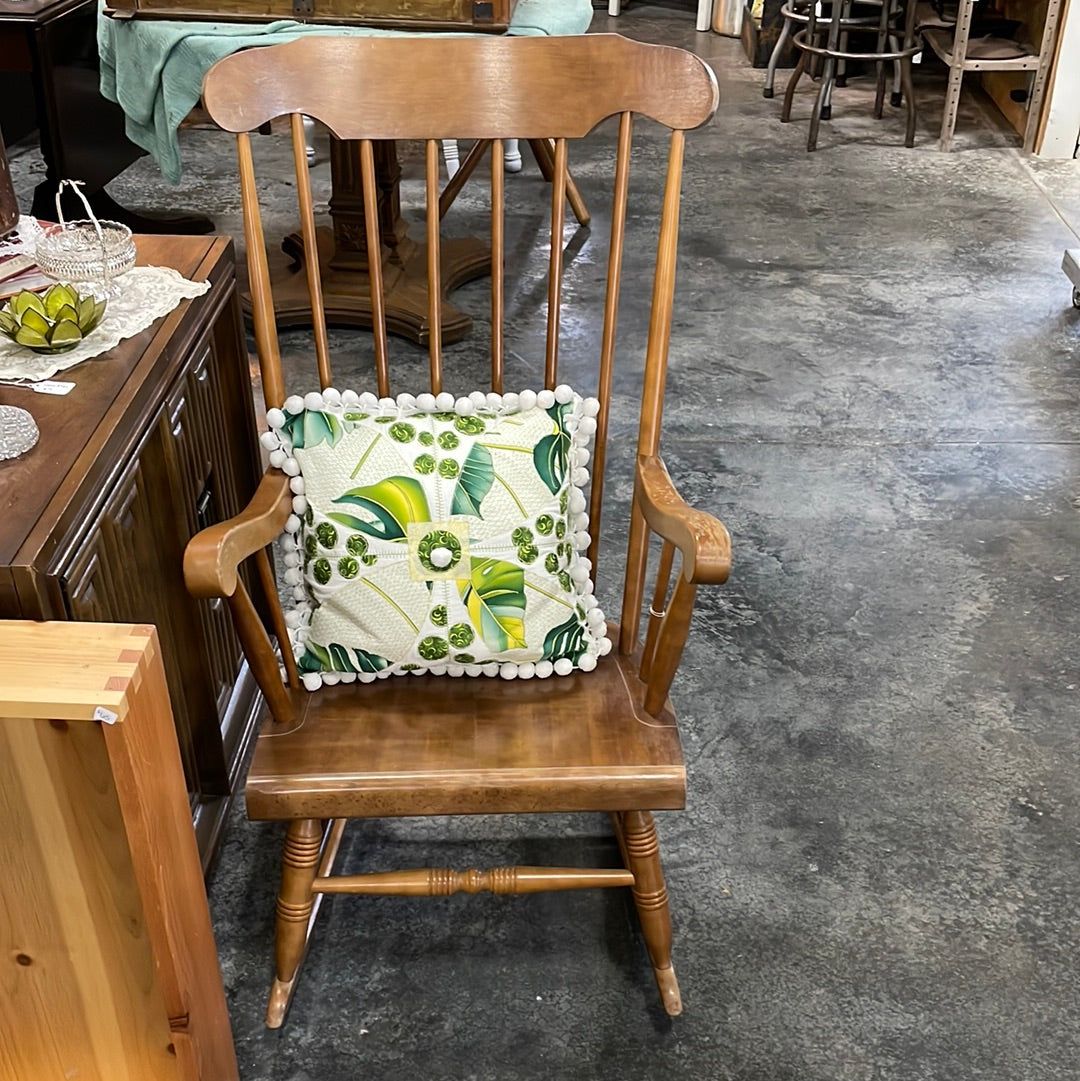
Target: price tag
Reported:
[(52, 386), (106, 716)]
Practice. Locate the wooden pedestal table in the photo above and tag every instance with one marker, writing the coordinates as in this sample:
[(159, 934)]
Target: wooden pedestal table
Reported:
[(343, 254), (110, 967)]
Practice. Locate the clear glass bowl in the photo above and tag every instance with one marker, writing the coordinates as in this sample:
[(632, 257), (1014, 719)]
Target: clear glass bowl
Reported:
[(18, 432), (75, 252)]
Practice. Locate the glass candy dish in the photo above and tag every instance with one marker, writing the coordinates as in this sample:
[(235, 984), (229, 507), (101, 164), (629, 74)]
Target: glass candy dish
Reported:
[(88, 253)]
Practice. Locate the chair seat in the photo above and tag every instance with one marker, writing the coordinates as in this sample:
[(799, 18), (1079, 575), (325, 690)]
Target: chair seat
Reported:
[(474, 745)]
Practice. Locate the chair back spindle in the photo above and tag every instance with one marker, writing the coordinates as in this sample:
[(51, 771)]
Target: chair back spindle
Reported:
[(498, 264), (431, 162)]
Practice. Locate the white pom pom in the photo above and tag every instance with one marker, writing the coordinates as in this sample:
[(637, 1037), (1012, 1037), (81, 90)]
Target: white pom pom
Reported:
[(366, 677), (292, 524), (584, 588), (288, 543), (438, 669), (508, 671), (388, 405), (292, 576), (275, 418), (330, 679), (383, 673), (291, 559), (299, 504), (425, 403), (526, 670), (491, 669), (511, 403), (587, 427), (278, 458), (349, 397), (527, 400), (581, 540), (441, 558), (292, 619), (294, 404), (545, 399), (298, 594), (313, 400), (474, 670), (579, 573), (331, 396), (464, 406), (348, 677), (455, 670), (312, 680), (595, 618), (478, 399), (564, 666), (603, 647), (297, 485), (581, 456), (544, 669), (270, 440), (586, 662), (494, 401), (290, 467), (580, 476), (406, 401), (367, 401), (444, 402), (564, 394), (590, 407), (589, 603), (576, 503), (417, 672)]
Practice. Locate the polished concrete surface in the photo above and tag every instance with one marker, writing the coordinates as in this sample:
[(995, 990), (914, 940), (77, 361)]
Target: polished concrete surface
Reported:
[(876, 383)]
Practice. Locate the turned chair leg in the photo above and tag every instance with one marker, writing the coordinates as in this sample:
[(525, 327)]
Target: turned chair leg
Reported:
[(638, 836), (295, 911)]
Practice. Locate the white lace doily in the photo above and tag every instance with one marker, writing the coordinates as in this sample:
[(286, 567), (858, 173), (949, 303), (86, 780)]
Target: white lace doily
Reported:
[(146, 293)]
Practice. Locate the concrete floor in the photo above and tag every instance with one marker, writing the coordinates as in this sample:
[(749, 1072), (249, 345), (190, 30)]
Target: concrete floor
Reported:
[(875, 382)]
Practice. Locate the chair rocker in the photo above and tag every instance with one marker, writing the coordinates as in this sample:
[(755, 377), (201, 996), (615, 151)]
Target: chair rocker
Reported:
[(600, 740)]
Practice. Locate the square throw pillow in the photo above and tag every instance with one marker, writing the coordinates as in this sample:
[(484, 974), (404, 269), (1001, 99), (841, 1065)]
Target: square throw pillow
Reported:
[(441, 536)]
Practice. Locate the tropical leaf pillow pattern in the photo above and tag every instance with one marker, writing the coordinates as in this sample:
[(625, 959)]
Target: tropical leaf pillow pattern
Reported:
[(441, 536)]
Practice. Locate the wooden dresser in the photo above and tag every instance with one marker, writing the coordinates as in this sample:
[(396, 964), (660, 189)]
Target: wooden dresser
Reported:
[(156, 441)]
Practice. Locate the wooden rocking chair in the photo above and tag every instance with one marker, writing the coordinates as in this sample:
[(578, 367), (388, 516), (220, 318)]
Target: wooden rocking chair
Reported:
[(604, 740)]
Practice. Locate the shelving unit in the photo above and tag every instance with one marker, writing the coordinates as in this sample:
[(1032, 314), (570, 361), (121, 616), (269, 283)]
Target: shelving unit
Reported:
[(951, 47)]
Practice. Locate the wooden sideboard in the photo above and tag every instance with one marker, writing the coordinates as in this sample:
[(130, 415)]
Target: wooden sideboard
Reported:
[(156, 441)]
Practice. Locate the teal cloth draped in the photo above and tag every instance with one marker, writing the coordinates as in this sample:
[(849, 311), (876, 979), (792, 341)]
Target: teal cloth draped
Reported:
[(154, 68)]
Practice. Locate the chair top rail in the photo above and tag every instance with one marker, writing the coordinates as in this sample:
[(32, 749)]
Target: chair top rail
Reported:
[(420, 87)]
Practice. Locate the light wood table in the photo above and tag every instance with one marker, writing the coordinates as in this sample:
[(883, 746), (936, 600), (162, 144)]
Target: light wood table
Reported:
[(111, 971)]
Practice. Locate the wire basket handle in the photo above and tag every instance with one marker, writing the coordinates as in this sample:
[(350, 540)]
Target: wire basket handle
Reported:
[(77, 186)]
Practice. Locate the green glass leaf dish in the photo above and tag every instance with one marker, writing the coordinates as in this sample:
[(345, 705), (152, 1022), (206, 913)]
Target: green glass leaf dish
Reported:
[(50, 322)]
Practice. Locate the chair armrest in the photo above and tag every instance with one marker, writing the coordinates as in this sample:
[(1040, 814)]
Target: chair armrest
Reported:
[(212, 556), (701, 539)]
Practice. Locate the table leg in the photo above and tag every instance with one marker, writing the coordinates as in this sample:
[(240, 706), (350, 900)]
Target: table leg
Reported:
[(343, 257)]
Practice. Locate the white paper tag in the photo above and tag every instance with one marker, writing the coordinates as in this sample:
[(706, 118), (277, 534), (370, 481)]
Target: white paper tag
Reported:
[(106, 716), (52, 386)]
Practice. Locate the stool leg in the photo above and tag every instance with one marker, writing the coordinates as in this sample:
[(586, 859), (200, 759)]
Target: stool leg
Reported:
[(789, 93), (882, 45), (909, 91), (774, 58), (952, 107), (819, 102)]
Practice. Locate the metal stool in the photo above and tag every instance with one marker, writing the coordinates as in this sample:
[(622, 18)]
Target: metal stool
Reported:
[(836, 30)]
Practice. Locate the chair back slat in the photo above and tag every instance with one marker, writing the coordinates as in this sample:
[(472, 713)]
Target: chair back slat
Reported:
[(311, 248), (558, 217), (498, 264), (262, 300), (607, 341), (434, 264), (546, 86), (375, 275)]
